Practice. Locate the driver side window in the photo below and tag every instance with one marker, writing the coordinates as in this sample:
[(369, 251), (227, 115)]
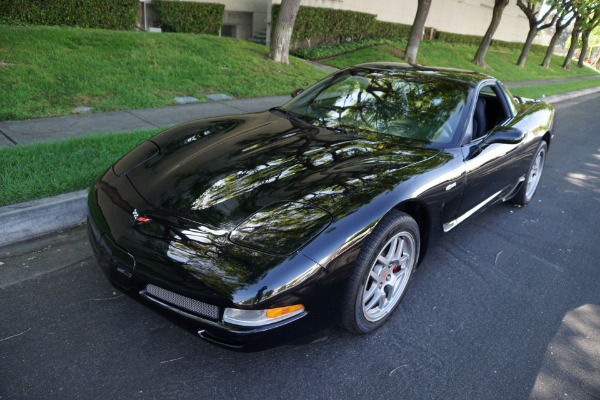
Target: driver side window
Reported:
[(490, 111)]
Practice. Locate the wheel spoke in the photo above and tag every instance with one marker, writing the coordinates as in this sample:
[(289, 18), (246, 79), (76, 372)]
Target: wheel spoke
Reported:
[(403, 260), (391, 285), (399, 277), (383, 298), (375, 300), (374, 275), (370, 292), (383, 260), (400, 249), (392, 250)]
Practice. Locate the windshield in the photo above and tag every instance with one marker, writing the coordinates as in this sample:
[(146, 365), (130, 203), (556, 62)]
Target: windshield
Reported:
[(415, 105)]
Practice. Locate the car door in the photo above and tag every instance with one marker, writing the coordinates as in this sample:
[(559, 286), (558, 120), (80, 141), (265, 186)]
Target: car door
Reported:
[(493, 166)]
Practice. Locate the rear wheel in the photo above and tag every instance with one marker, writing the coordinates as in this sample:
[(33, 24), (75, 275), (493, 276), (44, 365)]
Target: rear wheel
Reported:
[(532, 180), (382, 273)]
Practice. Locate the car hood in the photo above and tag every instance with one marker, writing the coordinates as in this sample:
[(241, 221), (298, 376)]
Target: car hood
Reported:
[(220, 171)]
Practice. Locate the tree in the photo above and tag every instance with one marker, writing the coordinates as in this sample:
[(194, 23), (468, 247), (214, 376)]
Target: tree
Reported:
[(574, 38), (591, 23), (412, 47), (499, 6), (531, 10), (565, 9), (280, 44)]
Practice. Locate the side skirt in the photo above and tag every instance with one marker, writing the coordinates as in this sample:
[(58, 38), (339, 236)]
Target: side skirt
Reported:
[(452, 224)]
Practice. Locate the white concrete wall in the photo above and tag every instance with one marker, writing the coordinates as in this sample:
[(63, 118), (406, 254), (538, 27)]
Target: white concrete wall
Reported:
[(258, 8), (472, 17), (469, 17)]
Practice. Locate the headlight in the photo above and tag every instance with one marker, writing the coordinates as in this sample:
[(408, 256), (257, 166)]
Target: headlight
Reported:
[(236, 316), (281, 228)]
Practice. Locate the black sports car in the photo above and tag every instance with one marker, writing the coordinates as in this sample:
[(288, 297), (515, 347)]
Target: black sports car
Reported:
[(265, 228)]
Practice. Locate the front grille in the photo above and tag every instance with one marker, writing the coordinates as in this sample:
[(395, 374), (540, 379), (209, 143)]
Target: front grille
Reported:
[(183, 302)]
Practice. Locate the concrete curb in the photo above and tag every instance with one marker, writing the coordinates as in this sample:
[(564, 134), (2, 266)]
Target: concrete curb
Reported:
[(39, 217), (35, 218), (557, 98)]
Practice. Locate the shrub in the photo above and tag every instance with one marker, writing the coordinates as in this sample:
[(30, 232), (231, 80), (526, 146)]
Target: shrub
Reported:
[(326, 26), (107, 14), (319, 26), (390, 30), (318, 53), (190, 17), (476, 40)]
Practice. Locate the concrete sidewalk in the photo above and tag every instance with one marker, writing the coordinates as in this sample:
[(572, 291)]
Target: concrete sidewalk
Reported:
[(50, 129), (35, 218)]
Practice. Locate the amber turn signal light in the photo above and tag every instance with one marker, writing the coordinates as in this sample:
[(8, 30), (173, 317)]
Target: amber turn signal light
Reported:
[(280, 311)]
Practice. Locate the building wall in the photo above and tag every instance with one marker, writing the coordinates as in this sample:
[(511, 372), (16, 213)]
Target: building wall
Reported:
[(470, 17), (240, 22), (258, 8)]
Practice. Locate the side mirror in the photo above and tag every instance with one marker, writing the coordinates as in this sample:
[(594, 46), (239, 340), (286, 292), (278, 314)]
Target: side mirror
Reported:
[(296, 92), (501, 134), (505, 135)]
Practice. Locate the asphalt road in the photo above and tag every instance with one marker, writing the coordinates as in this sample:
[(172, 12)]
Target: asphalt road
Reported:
[(506, 307)]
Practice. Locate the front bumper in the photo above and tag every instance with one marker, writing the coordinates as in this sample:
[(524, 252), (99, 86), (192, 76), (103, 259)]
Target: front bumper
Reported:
[(189, 310), (233, 337)]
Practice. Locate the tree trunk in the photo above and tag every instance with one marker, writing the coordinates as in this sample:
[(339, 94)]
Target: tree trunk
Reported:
[(550, 50), (535, 24), (412, 47), (585, 35), (585, 39), (479, 59), (280, 43), (527, 46), (572, 47), (560, 27)]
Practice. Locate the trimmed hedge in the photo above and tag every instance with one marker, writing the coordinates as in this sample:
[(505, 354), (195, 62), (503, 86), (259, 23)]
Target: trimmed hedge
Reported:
[(106, 14), (391, 30), (319, 53), (190, 17), (476, 40), (324, 26), (319, 26)]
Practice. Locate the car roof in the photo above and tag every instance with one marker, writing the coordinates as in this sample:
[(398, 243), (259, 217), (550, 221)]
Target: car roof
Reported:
[(471, 78)]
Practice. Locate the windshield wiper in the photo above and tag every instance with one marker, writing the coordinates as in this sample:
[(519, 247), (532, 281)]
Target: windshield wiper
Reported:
[(288, 114), (336, 129)]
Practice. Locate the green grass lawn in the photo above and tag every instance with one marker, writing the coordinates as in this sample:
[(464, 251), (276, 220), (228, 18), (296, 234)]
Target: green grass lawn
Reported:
[(47, 71), (553, 88), (47, 169), (502, 63)]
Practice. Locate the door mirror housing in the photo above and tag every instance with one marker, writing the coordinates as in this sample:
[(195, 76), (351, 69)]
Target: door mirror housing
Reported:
[(506, 135), (501, 134), (296, 92)]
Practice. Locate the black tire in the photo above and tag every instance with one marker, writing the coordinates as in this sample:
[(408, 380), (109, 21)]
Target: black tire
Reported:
[(371, 298), (532, 179)]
